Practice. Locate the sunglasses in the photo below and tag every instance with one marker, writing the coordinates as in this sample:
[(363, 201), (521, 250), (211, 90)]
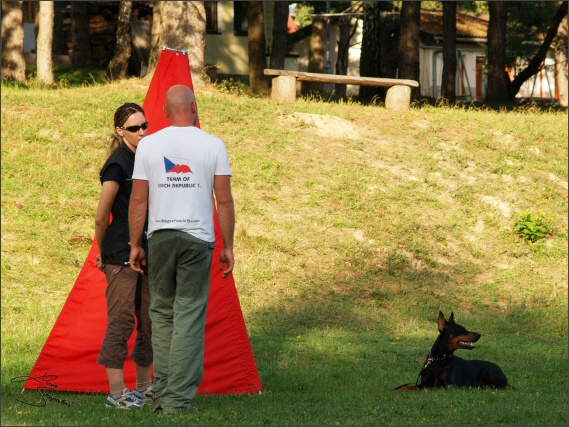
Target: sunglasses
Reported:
[(134, 129)]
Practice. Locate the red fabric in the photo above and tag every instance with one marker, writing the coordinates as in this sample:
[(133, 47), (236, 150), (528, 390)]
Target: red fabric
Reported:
[(71, 349)]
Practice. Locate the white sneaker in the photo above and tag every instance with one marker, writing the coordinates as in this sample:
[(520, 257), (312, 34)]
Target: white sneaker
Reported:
[(126, 400), (145, 395)]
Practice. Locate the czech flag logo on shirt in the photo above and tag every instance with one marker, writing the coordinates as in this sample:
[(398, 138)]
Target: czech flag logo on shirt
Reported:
[(176, 167)]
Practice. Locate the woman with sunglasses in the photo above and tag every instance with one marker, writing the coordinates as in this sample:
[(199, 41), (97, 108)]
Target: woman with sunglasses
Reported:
[(127, 292)]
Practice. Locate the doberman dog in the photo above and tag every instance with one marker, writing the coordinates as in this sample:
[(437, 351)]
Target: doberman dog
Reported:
[(442, 368)]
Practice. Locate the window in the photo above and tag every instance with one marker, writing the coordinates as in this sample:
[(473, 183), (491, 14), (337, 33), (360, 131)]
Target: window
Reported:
[(211, 17), (240, 17)]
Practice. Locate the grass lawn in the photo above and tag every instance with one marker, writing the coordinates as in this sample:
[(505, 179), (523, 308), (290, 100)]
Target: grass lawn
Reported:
[(355, 226)]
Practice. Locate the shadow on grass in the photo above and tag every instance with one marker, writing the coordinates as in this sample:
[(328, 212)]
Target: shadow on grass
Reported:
[(380, 325)]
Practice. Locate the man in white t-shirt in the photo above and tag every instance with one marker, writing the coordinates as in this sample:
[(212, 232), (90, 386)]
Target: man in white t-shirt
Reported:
[(177, 172)]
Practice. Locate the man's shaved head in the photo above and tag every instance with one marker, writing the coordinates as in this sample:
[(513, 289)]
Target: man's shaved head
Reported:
[(181, 104), (179, 97)]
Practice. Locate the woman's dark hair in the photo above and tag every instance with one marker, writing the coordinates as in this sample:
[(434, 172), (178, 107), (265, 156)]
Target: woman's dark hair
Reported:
[(121, 116)]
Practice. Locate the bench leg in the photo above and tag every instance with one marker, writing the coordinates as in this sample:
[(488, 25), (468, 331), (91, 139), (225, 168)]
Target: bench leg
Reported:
[(398, 98), (284, 89)]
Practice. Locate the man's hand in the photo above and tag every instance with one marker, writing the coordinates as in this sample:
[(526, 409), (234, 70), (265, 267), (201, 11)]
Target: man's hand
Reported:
[(226, 257), (137, 259), (136, 218)]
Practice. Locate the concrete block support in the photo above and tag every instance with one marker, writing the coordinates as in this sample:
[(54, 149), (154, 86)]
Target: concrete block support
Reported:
[(284, 89)]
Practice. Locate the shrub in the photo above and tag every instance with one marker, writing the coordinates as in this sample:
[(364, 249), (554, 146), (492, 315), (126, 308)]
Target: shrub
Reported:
[(532, 228)]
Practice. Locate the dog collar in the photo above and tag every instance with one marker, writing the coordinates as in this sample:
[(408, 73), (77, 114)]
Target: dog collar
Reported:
[(431, 359)]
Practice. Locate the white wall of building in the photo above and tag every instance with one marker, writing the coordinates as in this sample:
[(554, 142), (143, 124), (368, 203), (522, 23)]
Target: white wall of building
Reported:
[(542, 85)]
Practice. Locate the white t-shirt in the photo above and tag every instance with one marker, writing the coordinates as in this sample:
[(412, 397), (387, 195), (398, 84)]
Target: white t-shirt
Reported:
[(179, 164)]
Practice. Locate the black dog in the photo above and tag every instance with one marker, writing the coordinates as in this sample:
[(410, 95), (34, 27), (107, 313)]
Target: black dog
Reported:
[(442, 368)]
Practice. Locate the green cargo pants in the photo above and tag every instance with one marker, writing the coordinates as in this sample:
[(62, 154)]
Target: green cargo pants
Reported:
[(179, 268)]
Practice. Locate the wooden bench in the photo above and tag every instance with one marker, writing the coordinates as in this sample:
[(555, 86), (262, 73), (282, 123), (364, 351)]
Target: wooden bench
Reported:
[(398, 95)]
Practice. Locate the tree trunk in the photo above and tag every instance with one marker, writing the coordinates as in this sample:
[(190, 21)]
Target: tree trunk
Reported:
[(59, 44), (448, 86), (119, 64), (345, 34), (44, 60), (80, 38), (498, 80), (13, 62), (388, 46), (278, 49), (342, 60), (155, 47), (256, 43), (409, 42), (535, 64), (561, 82), (36, 8), (183, 27), (317, 54), (370, 59)]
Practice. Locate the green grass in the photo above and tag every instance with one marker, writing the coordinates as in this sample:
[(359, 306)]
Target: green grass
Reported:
[(355, 226)]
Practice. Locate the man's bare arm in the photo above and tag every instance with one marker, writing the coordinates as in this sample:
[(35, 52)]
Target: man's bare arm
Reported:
[(136, 220), (226, 217)]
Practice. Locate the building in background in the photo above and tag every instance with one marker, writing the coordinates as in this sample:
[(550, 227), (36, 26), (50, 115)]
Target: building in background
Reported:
[(226, 50)]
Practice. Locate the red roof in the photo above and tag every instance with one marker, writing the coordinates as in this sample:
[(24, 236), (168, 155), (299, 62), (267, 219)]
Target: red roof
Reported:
[(467, 24)]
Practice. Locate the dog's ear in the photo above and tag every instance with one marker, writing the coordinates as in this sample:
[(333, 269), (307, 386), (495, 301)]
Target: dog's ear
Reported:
[(441, 322), (451, 318)]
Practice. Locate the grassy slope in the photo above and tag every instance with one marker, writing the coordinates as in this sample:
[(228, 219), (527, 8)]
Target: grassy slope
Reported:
[(355, 225)]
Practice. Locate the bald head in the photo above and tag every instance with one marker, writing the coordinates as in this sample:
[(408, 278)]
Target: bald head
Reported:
[(181, 106)]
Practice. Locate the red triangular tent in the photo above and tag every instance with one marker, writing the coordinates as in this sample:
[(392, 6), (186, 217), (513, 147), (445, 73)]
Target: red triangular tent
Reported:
[(72, 347)]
